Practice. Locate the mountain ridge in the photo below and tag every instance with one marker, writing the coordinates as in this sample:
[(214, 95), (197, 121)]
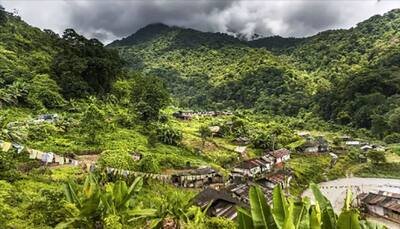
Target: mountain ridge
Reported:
[(279, 76), (272, 43), (220, 71)]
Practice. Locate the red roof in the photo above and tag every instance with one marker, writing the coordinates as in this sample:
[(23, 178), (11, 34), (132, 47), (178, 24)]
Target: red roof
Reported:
[(279, 153), (252, 163)]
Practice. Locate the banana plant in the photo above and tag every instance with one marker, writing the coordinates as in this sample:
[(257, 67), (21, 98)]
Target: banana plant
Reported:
[(292, 213), (176, 215), (95, 203)]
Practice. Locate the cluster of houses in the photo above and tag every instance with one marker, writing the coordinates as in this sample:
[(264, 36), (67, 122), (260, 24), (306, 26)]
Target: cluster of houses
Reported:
[(381, 204), (261, 172), (319, 144), (256, 167), (223, 202), (313, 144), (189, 115), (219, 203), (364, 146)]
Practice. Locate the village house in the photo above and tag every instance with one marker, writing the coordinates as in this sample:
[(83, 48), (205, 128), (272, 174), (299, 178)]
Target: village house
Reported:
[(280, 178), (269, 160), (251, 168), (219, 203), (241, 150), (323, 145), (280, 156), (182, 115), (344, 138), (317, 145), (309, 147), (197, 178), (353, 143), (382, 204), (366, 148), (240, 191), (189, 115), (241, 141), (379, 148)]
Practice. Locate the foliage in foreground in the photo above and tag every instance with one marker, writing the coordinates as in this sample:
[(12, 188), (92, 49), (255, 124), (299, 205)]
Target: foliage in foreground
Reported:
[(101, 207), (289, 213)]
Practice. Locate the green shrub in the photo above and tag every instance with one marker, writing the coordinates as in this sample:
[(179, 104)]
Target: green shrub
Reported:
[(93, 123), (172, 161), (8, 167), (7, 212), (392, 138), (48, 209), (219, 223), (168, 135), (42, 131), (376, 156), (44, 92), (116, 159), (149, 164), (263, 140)]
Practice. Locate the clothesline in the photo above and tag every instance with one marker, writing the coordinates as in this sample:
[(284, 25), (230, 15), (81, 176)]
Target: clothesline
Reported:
[(46, 157), (50, 157), (126, 173)]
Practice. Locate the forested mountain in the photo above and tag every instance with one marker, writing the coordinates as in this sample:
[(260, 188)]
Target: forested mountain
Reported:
[(216, 70), (348, 76), (39, 69), (26, 55), (360, 68)]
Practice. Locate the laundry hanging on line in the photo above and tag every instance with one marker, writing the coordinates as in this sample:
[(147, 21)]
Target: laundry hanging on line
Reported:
[(18, 147), (5, 146)]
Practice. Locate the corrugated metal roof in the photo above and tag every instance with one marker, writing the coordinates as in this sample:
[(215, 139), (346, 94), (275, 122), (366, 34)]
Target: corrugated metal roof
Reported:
[(279, 153), (388, 202), (222, 203), (252, 163)]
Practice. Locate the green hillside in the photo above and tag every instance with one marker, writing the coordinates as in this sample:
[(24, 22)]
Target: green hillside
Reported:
[(361, 69), (349, 76), (216, 71)]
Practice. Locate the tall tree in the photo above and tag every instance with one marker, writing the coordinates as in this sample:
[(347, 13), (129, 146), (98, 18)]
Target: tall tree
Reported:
[(149, 97), (205, 133), (93, 121), (85, 67)]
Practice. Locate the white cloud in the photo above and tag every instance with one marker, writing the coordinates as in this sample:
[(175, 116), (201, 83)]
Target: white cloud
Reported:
[(108, 20)]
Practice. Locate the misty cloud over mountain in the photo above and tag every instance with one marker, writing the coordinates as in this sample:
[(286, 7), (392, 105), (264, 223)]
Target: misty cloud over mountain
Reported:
[(109, 20)]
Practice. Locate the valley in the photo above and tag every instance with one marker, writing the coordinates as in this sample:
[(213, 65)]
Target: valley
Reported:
[(175, 128)]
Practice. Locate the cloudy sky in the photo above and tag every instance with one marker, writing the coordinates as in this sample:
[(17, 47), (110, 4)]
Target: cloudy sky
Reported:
[(109, 20)]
